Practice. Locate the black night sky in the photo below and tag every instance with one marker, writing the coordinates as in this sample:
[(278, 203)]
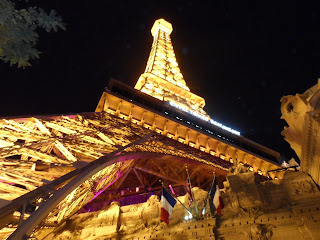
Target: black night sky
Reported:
[(241, 57)]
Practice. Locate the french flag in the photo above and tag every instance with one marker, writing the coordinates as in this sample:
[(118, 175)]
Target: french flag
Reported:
[(167, 203), (216, 203)]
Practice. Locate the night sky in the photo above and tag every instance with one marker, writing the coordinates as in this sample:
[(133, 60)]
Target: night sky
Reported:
[(241, 57)]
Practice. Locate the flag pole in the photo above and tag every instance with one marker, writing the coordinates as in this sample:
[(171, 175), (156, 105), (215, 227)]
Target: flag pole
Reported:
[(176, 198), (213, 179), (195, 202)]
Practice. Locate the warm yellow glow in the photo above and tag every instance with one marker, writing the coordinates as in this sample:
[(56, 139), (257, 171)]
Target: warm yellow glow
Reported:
[(213, 153), (159, 131), (163, 25), (163, 80), (202, 148), (169, 135)]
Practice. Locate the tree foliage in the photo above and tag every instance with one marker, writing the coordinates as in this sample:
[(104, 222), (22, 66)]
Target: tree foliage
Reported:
[(18, 31)]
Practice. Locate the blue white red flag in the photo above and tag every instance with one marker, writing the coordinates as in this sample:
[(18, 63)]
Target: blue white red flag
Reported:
[(167, 204), (216, 203)]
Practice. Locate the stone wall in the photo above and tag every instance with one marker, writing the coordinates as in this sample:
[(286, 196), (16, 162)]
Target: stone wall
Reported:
[(273, 209), (255, 208), (302, 114)]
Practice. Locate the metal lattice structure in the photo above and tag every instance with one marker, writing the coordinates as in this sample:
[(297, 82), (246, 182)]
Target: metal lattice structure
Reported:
[(162, 78), (162, 61), (52, 167), (36, 151)]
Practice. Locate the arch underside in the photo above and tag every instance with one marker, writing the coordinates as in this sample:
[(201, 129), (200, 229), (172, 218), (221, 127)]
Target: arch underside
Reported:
[(141, 162), (140, 165), (131, 178), (142, 177)]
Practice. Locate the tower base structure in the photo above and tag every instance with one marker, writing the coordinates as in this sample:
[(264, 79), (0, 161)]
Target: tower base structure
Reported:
[(96, 175)]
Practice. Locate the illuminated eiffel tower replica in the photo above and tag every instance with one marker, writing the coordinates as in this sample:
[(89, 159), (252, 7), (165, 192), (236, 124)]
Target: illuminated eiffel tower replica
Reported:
[(54, 167)]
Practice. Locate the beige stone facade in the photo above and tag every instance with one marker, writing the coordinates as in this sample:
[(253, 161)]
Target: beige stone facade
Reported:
[(273, 209), (256, 208), (302, 112)]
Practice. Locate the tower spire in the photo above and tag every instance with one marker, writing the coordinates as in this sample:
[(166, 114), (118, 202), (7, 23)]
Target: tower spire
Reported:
[(162, 78), (162, 61)]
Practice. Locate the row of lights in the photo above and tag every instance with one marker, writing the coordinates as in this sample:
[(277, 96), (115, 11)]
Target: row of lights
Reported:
[(180, 139), (213, 153), (205, 118)]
